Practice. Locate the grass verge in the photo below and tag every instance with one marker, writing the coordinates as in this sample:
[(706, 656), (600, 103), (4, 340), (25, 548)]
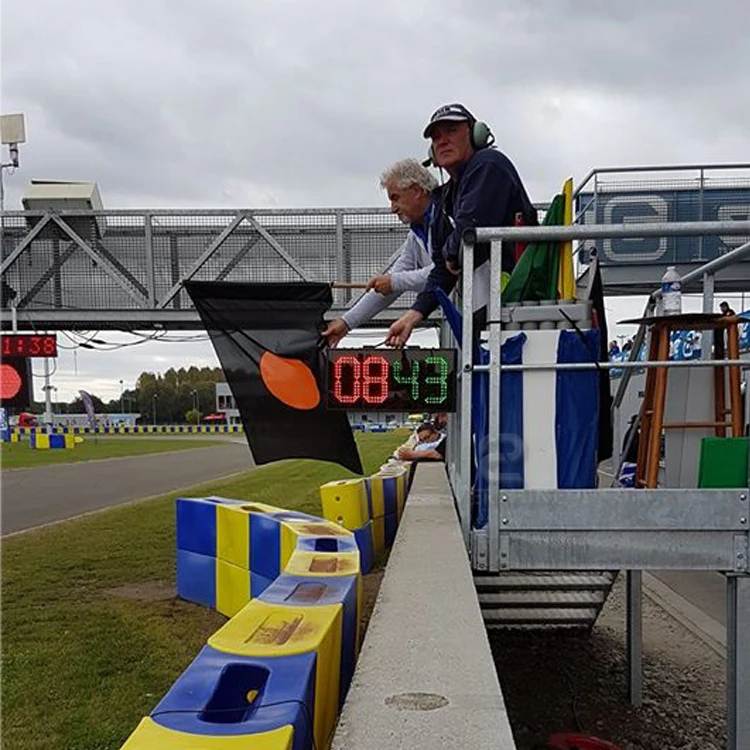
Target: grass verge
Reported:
[(93, 635), (22, 455)]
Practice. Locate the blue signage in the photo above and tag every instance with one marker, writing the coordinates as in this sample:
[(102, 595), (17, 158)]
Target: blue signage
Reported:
[(684, 345), (640, 206)]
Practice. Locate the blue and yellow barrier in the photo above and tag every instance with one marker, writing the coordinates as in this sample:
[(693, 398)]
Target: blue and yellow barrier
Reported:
[(51, 442), (371, 507), (161, 429), (275, 676)]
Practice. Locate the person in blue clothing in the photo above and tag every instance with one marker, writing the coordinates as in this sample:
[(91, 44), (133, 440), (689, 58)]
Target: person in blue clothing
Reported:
[(408, 186), (484, 190)]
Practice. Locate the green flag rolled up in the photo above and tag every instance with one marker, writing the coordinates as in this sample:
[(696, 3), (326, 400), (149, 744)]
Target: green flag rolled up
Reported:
[(535, 274)]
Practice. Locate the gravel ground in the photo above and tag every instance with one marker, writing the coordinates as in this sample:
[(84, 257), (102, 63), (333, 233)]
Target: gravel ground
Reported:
[(555, 683)]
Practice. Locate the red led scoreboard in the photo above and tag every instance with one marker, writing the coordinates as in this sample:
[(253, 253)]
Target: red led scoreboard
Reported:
[(392, 379), (28, 345)]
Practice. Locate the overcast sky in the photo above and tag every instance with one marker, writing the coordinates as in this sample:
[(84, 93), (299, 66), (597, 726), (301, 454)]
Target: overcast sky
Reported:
[(292, 103)]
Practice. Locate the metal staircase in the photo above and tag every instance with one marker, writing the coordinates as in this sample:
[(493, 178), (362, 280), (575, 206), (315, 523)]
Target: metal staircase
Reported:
[(543, 600)]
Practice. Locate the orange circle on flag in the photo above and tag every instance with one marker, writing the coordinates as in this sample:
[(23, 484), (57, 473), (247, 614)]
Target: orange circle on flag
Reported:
[(290, 380)]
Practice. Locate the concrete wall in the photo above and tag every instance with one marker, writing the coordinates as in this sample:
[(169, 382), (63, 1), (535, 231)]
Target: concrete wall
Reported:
[(425, 677)]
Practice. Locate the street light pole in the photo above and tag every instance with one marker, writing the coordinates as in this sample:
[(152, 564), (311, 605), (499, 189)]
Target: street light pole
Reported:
[(154, 400), (122, 409)]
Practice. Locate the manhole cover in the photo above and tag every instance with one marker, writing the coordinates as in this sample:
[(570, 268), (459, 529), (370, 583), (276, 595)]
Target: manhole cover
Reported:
[(416, 701)]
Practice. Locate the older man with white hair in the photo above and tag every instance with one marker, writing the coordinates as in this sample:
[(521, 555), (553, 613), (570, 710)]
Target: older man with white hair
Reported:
[(408, 186)]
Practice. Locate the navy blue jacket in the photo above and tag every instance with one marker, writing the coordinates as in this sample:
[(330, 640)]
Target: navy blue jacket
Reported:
[(487, 193)]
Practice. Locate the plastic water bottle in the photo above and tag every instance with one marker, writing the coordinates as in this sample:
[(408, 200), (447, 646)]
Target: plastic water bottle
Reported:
[(671, 294)]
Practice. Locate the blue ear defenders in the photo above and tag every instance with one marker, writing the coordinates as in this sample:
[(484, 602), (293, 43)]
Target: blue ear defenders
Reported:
[(480, 136)]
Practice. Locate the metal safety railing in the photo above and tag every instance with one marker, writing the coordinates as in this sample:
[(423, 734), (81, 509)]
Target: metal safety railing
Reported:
[(603, 529)]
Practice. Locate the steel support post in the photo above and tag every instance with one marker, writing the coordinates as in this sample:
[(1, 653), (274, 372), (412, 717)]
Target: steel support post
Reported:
[(148, 234), (342, 296), (634, 635), (707, 337), (464, 456), (493, 425), (738, 662)]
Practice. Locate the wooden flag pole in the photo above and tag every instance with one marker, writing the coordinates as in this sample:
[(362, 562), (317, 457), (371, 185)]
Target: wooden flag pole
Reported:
[(349, 284)]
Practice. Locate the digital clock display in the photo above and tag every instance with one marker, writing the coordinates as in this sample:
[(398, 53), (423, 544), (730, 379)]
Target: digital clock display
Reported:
[(28, 345), (392, 379)]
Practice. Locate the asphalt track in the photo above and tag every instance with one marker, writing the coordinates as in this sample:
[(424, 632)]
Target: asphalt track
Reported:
[(33, 497)]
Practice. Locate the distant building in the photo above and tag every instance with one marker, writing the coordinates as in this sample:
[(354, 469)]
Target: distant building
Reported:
[(225, 404)]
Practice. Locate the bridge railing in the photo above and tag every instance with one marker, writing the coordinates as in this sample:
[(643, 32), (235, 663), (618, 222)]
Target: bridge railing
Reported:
[(127, 267)]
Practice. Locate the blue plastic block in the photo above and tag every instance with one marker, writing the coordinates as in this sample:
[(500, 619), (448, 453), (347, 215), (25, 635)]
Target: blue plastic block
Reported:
[(390, 495), (196, 578), (196, 525), (258, 584), (391, 526), (300, 592), (327, 543), (265, 545), (57, 441), (366, 546), (224, 694)]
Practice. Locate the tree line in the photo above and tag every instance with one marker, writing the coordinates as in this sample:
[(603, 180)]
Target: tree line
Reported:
[(177, 396)]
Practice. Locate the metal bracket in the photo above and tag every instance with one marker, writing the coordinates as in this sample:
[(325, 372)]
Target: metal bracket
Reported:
[(480, 549), (741, 552), (504, 540)]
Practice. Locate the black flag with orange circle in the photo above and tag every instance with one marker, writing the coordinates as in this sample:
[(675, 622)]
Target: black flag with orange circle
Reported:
[(267, 338)]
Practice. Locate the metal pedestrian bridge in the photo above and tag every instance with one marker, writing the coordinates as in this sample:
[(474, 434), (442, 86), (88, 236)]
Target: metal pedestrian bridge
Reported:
[(66, 268), (69, 269)]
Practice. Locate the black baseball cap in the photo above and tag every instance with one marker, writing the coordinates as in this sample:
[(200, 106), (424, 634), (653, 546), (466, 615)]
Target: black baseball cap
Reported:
[(453, 112)]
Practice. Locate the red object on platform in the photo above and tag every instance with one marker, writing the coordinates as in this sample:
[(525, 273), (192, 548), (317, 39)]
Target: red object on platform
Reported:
[(570, 741)]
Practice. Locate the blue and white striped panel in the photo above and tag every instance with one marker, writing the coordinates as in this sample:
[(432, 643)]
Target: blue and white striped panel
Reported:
[(539, 443), (560, 411)]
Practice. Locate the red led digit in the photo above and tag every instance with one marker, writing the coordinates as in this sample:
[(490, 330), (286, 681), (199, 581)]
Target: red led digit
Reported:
[(374, 387), (49, 345), (6, 347), (338, 371), (35, 345)]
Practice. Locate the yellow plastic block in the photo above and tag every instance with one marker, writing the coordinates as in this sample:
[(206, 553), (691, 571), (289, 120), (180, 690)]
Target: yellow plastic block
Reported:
[(232, 588), (289, 537), (305, 563), (304, 527), (259, 508), (269, 630), (70, 441), (233, 535), (345, 502), (41, 442), (152, 736), (376, 496), (15, 437)]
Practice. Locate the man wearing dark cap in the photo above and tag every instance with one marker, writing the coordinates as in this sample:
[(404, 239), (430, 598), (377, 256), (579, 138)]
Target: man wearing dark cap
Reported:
[(484, 191)]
